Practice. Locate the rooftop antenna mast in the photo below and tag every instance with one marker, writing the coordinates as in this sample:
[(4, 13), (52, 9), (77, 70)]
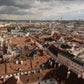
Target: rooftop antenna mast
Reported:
[(61, 19)]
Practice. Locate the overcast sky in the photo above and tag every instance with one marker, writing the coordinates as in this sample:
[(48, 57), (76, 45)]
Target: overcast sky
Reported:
[(41, 9)]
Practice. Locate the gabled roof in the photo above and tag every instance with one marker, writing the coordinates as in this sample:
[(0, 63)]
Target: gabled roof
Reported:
[(11, 80), (57, 36)]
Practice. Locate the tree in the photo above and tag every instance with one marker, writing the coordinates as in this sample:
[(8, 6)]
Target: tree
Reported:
[(10, 28)]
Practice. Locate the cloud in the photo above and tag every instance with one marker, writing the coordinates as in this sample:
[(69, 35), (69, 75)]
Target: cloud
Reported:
[(13, 10), (41, 9), (18, 3), (6, 2), (44, 0)]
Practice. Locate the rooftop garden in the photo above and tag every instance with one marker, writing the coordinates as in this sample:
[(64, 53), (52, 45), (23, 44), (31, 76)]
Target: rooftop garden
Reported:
[(23, 57)]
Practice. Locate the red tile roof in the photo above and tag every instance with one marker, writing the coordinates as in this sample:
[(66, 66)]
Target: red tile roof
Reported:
[(5, 38), (1, 48), (4, 29), (2, 69), (26, 66), (57, 36)]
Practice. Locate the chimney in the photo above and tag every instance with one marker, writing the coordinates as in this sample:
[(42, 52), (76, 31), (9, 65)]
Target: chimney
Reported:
[(34, 71), (79, 75), (68, 68), (59, 64), (19, 69), (17, 62), (56, 61), (54, 65), (51, 63), (68, 74), (52, 58), (4, 79), (21, 62), (40, 70), (18, 78)]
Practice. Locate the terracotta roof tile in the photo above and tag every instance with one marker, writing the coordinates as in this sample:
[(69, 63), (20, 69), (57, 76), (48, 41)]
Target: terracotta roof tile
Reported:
[(15, 67), (2, 69)]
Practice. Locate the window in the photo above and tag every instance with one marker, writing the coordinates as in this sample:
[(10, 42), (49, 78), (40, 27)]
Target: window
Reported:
[(32, 72), (27, 79), (45, 81), (36, 66), (51, 80), (38, 71), (28, 67), (38, 77), (8, 75)]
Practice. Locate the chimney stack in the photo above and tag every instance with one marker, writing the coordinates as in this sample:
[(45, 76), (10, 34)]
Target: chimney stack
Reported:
[(68, 74)]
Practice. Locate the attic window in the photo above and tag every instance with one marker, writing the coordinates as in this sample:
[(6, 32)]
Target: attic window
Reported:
[(45, 81), (38, 77), (28, 67), (26, 64), (16, 69), (38, 62), (32, 72), (39, 83), (36, 66), (38, 71), (11, 66), (51, 80), (27, 79)]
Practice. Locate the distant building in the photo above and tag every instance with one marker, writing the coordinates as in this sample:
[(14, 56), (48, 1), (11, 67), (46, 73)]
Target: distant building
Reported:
[(3, 30)]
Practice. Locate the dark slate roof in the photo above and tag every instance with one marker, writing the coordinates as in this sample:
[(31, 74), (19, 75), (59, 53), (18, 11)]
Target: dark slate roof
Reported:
[(71, 57), (78, 61), (54, 50), (66, 54)]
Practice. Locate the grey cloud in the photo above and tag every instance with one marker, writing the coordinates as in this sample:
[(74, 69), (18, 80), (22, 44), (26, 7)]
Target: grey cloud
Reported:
[(18, 3), (15, 11), (48, 8), (63, 1), (68, 8), (6, 2), (58, 0), (17, 7), (44, 0)]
